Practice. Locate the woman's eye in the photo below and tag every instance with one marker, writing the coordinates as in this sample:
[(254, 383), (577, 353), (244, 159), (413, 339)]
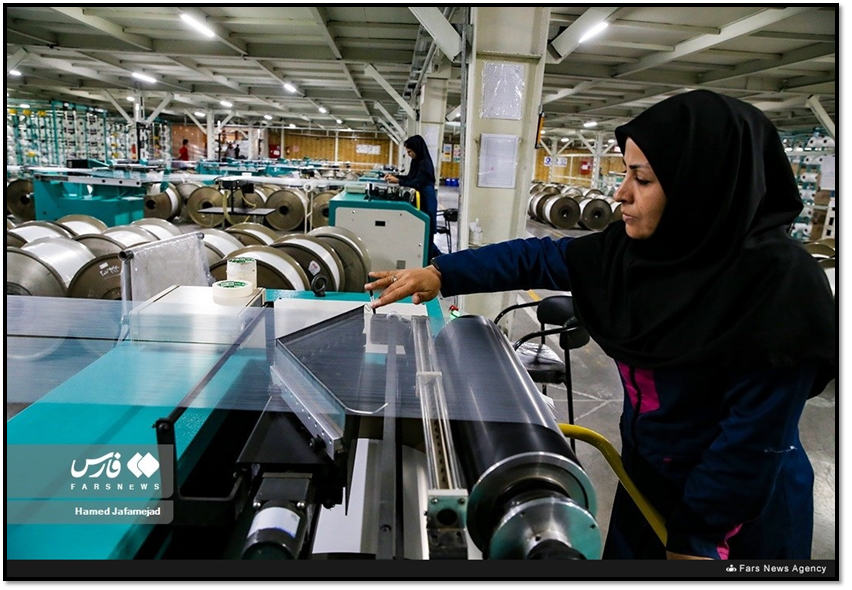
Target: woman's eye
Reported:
[(642, 181)]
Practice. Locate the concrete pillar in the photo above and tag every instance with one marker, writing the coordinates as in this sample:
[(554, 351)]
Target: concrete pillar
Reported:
[(253, 135), (509, 48), (211, 135), (433, 109)]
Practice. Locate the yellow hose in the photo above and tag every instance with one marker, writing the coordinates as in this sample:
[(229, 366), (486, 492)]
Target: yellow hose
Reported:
[(612, 457)]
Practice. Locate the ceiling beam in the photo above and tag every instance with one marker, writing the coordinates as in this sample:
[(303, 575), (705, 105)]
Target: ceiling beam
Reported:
[(645, 25), (223, 34), (388, 116), (16, 58), (374, 73), (321, 20), (814, 104), (796, 56), (568, 40), (581, 87), (104, 26), (188, 62), (117, 63), (64, 66), (734, 30), (440, 29), (25, 30)]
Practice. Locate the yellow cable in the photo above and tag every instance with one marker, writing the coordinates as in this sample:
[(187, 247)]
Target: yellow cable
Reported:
[(612, 457)]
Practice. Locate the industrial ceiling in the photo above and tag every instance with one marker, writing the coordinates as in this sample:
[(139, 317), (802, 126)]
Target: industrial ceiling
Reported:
[(774, 57)]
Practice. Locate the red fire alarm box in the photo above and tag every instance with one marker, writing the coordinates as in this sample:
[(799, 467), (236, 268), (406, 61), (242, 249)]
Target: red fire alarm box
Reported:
[(274, 150), (585, 167)]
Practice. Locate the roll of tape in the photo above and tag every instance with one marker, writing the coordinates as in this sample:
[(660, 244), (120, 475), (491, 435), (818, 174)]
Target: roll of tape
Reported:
[(242, 269), (227, 291)]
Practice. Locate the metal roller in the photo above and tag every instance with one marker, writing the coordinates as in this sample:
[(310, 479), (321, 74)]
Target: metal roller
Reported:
[(615, 206), (100, 244), (532, 206), (159, 227), (560, 211), (9, 223), (320, 208), (593, 193), (253, 234), (535, 187), (291, 207), (14, 240), (185, 189), (19, 199), (275, 268), (352, 253), (219, 244), (595, 214), (63, 255), (81, 225), (254, 199), (202, 198), (529, 497), (131, 235), (30, 231), (573, 192), (818, 250), (165, 205), (315, 257), (26, 274), (100, 278)]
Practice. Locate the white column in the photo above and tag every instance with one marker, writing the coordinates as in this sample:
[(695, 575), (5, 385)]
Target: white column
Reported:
[(211, 135), (433, 109)]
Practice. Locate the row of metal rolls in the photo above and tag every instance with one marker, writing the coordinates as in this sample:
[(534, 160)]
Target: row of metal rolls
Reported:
[(294, 207), (78, 255), (566, 207)]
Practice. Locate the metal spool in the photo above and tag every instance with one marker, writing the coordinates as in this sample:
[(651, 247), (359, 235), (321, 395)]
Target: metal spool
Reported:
[(159, 227), (350, 177), (100, 244), (63, 255), (26, 274), (315, 257), (202, 198), (321, 208), (19, 199), (81, 225), (131, 235), (573, 192), (827, 242), (352, 253), (30, 231), (615, 206), (275, 268), (9, 223), (100, 278), (238, 201), (536, 207), (595, 214), (14, 240), (254, 199), (253, 234), (219, 244), (593, 193), (185, 189), (291, 206), (165, 205), (535, 187), (818, 250), (560, 211)]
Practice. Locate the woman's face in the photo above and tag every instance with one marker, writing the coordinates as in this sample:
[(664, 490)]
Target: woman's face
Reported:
[(641, 195), (410, 153)]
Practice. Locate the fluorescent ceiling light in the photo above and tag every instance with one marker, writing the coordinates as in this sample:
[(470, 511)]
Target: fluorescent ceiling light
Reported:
[(267, 117), (14, 73), (24, 106), (292, 125), (143, 77), (590, 124), (564, 140), (594, 31), (323, 110), (611, 141), (339, 121), (130, 98), (289, 87), (225, 103), (199, 114), (197, 25)]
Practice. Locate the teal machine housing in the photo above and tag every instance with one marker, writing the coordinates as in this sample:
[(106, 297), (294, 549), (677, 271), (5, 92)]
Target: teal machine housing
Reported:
[(114, 198)]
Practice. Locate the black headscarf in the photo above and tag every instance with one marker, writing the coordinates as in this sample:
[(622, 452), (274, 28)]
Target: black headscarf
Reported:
[(421, 166), (719, 283)]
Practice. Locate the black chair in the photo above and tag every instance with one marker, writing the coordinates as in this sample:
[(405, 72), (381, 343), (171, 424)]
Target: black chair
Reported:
[(450, 216), (542, 362)]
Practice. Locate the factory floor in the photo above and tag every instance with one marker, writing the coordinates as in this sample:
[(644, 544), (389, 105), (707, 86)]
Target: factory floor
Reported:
[(598, 399)]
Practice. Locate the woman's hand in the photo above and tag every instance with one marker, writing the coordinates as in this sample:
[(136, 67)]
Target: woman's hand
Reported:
[(391, 178), (422, 284)]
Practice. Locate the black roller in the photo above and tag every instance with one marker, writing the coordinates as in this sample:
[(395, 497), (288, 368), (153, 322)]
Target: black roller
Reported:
[(508, 442)]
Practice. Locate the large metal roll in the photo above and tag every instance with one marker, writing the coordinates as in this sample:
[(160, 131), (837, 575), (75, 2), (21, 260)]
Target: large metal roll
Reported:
[(560, 211), (100, 278), (275, 268), (291, 206), (315, 257), (26, 274), (615, 206), (81, 225), (514, 459), (219, 244), (33, 230), (202, 198), (9, 223), (165, 205), (573, 192), (14, 240), (595, 214), (19, 199), (131, 235), (320, 208), (255, 199), (253, 234), (535, 187), (532, 206), (63, 255), (185, 189), (593, 193), (352, 252), (159, 227)]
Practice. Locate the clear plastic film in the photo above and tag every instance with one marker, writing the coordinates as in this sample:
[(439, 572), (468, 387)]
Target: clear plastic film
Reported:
[(502, 90), (150, 268), (202, 354)]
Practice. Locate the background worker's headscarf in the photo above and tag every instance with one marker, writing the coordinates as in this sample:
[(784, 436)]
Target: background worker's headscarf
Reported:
[(719, 282)]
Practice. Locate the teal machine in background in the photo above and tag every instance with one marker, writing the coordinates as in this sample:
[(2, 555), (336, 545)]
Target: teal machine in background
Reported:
[(395, 232), (113, 197)]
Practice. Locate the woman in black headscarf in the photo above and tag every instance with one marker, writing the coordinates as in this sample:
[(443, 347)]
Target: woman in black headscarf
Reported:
[(421, 177), (720, 324)]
